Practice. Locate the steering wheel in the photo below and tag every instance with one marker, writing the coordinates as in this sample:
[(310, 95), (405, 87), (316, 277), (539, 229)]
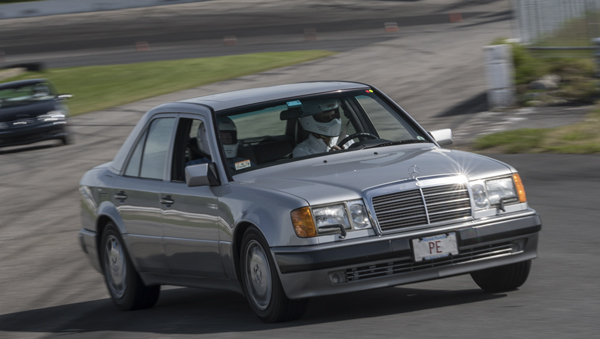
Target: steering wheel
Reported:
[(356, 135)]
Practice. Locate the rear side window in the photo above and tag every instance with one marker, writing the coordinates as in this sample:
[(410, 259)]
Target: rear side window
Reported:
[(150, 155), (133, 168)]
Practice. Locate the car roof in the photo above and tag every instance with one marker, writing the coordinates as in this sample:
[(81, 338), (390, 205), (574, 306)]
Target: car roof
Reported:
[(227, 100), (21, 83)]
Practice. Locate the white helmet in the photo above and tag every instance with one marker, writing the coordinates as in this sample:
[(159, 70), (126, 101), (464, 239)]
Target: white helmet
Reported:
[(228, 136), (322, 117)]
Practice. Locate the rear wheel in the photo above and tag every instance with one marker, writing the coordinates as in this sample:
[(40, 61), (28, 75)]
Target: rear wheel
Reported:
[(261, 283), (503, 278), (126, 288)]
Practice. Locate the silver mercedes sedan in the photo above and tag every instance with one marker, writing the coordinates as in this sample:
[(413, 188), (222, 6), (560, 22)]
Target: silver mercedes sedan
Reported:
[(296, 191)]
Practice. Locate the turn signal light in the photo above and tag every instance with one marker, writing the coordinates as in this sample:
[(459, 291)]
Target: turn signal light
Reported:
[(520, 187), (303, 223)]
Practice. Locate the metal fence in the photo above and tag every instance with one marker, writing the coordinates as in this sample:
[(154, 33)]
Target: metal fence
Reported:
[(557, 23)]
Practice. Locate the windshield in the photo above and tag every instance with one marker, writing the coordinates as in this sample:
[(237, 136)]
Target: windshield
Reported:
[(19, 95), (313, 126)]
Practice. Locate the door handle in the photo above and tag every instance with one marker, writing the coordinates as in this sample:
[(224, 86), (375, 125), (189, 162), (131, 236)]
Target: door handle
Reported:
[(167, 201), (121, 196)]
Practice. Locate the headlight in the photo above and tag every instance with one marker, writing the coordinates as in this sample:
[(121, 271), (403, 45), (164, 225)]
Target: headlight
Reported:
[(331, 219), (3, 125), (53, 116), (487, 193), (358, 213), (480, 195), (501, 189)]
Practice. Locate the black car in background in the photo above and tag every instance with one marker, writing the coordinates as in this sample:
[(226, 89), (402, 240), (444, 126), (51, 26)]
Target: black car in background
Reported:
[(32, 111)]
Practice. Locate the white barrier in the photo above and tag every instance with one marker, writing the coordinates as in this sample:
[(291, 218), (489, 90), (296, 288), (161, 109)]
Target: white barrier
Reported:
[(500, 75)]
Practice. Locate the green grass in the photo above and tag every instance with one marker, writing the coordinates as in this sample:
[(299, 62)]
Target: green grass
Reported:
[(580, 138), (100, 87), (516, 141)]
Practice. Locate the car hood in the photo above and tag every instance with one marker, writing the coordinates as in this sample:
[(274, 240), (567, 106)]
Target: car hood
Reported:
[(343, 176), (26, 110)]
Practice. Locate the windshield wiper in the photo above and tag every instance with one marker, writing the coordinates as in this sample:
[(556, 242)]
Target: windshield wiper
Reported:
[(393, 143)]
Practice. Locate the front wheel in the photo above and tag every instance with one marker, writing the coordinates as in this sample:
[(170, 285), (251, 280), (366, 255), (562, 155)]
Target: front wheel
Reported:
[(503, 278), (261, 283), (66, 140), (124, 284)]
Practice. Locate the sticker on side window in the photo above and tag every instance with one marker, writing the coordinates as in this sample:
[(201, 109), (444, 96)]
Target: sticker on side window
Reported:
[(242, 164)]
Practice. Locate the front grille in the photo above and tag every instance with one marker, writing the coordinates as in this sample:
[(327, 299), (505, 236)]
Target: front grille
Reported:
[(401, 209), (418, 207), (407, 265)]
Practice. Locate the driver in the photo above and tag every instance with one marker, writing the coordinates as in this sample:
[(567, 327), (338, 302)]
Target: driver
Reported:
[(324, 125)]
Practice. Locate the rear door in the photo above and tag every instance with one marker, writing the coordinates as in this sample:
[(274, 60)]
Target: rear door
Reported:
[(136, 194), (190, 233)]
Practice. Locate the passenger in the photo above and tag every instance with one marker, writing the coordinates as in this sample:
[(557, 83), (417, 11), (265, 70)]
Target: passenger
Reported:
[(199, 153), (228, 136), (324, 125)]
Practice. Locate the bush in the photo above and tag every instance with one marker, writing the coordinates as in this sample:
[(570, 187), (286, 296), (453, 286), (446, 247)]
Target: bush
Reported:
[(517, 141)]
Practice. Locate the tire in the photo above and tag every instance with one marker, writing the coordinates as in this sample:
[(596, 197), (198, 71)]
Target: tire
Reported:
[(66, 140), (503, 278), (124, 284), (261, 283)]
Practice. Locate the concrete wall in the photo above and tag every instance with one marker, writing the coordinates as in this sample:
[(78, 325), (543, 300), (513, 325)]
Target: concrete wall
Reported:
[(52, 7)]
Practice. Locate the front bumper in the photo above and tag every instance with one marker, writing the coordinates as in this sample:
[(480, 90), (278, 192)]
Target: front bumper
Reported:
[(388, 261), (31, 134)]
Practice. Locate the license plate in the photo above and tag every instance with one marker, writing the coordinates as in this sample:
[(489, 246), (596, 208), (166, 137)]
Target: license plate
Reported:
[(435, 247)]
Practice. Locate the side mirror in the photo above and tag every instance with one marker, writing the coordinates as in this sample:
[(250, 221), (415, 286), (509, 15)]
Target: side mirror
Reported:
[(442, 136), (202, 175), (64, 96)]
